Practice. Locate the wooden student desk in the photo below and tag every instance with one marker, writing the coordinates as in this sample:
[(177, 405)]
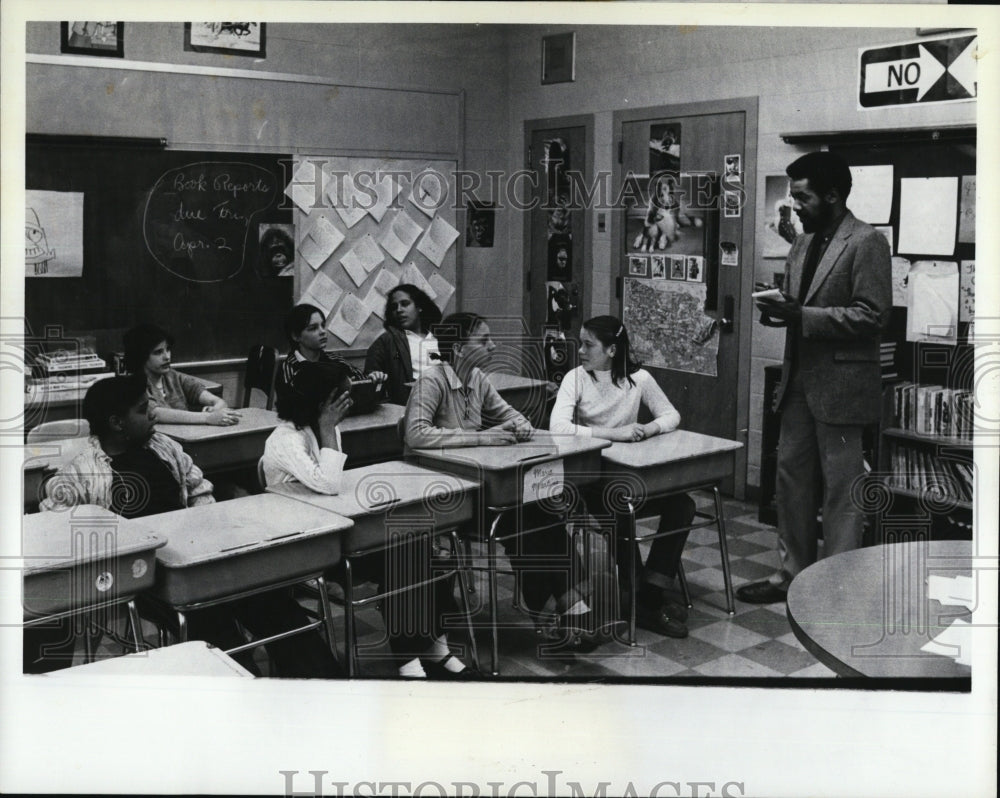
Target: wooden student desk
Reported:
[(193, 658), (516, 475), (41, 461), (384, 498), (867, 612), (525, 394), (216, 449), (229, 550), (374, 437), (662, 465), (83, 560), (41, 404)]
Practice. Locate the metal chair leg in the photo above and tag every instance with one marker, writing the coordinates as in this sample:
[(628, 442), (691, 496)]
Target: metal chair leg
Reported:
[(491, 543), (720, 519), (682, 579), (633, 571), (349, 641), (135, 625), (326, 613), (464, 592)]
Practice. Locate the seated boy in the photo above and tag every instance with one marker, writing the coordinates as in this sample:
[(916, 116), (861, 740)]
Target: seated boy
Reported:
[(134, 471)]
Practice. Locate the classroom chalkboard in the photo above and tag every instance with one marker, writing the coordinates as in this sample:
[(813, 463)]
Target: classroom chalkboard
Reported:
[(169, 237)]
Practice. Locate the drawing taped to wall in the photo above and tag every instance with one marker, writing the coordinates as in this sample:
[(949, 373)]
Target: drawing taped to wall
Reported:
[(53, 234)]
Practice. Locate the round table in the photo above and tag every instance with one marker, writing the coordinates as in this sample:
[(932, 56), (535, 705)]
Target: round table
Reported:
[(867, 612)]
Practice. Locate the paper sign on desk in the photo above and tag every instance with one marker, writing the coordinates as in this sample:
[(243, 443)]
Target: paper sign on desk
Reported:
[(442, 290), (343, 197), (954, 642), (871, 193), (927, 218), (320, 242), (363, 258), (543, 481), (412, 275), (401, 235), (427, 192), (322, 292), (437, 241), (301, 189)]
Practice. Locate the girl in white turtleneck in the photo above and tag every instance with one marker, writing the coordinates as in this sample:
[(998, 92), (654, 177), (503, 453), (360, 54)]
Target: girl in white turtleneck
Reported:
[(602, 398)]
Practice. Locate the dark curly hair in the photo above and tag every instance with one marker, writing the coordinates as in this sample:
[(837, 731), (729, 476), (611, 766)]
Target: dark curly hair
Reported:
[(429, 312)]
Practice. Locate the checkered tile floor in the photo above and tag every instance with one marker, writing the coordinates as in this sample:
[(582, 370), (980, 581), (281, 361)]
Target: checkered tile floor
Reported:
[(756, 642)]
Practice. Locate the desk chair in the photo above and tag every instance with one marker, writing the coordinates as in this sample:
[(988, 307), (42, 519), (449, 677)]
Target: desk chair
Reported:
[(262, 365), (58, 430)]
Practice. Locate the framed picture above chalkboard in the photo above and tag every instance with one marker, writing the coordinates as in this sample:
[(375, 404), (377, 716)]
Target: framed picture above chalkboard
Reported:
[(230, 38), (93, 38)]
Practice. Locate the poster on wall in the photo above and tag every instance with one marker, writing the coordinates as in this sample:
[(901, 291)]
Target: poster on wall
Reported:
[(480, 224), (53, 233), (560, 258), (277, 250), (782, 225), (668, 327), (659, 217)]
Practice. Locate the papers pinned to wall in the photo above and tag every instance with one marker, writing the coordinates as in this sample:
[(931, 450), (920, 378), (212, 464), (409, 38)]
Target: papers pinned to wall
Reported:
[(378, 294), (301, 189), (871, 193), (343, 198), (967, 211), (363, 258), (401, 235), (437, 241), (442, 289), (967, 290), (900, 272), (385, 188), (350, 317), (927, 218), (322, 292), (932, 301), (319, 243), (428, 192), (412, 275)]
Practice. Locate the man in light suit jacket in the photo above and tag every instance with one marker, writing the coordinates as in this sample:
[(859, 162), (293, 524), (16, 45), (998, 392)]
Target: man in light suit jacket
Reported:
[(838, 300)]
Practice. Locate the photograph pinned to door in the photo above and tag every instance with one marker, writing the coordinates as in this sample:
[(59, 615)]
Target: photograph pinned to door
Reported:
[(664, 148), (729, 253), (782, 225), (658, 267), (663, 217), (695, 269), (733, 202), (560, 258), (678, 267), (638, 266)]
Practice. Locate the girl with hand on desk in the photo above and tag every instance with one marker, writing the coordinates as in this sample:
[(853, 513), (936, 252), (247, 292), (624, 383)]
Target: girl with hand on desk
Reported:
[(404, 350), (304, 326), (602, 397), (305, 447), (451, 405), (174, 398)]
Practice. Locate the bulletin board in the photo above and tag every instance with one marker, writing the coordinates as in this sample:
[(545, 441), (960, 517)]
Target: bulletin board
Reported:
[(365, 225)]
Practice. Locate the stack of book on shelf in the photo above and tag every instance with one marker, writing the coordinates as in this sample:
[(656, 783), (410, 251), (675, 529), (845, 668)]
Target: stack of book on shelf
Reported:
[(887, 357), (920, 470), (65, 370), (933, 410)]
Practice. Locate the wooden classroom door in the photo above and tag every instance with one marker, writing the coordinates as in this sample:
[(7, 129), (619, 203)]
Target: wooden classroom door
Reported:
[(557, 233), (682, 248)]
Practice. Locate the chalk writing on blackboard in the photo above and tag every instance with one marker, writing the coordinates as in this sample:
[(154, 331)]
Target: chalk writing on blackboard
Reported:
[(198, 216)]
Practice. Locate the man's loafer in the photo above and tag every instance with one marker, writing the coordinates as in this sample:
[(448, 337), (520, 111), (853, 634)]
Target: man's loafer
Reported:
[(761, 593), (659, 621)]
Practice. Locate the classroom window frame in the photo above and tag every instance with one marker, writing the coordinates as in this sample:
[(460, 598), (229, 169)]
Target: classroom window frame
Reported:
[(559, 58)]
